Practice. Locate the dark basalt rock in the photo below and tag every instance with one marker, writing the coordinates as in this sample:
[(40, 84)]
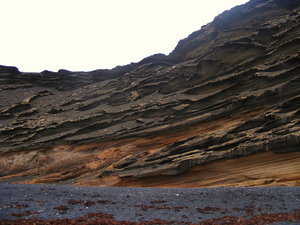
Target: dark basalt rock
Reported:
[(246, 60)]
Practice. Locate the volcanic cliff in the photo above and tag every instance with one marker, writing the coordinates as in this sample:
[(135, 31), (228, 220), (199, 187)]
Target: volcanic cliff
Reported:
[(222, 109)]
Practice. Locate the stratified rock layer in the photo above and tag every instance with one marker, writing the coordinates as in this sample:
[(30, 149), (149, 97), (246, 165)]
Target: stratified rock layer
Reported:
[(229, 90)]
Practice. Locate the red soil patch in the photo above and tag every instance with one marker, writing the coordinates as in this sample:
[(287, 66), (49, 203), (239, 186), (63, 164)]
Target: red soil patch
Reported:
[(107, 219)]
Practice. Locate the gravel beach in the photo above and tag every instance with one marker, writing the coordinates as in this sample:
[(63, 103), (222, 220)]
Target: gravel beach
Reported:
[(27, 202)]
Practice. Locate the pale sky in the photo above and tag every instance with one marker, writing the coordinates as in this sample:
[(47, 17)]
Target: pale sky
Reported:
[(84, 35)]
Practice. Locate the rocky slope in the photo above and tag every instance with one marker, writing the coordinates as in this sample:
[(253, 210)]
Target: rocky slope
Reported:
[(229, 90)]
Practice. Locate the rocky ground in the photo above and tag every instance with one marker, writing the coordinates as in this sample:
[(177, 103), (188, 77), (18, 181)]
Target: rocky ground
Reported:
[(58, 204), (231, 89)]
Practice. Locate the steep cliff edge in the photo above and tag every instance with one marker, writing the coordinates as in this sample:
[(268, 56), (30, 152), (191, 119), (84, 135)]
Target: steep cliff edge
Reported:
[(229, 90)]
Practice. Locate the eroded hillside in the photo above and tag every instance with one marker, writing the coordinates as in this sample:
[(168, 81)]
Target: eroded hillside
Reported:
[(231, 89)]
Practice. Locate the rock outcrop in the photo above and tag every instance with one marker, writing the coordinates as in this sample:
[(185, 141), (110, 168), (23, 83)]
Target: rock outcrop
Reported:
[(229, 90)]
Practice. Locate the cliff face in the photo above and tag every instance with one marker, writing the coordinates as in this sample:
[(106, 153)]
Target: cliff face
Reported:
[(228, 90)]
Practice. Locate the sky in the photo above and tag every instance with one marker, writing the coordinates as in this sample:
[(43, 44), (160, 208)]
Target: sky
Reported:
[(85, 35)]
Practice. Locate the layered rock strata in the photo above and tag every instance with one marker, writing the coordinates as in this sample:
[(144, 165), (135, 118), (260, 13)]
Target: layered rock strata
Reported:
[(229, 90)]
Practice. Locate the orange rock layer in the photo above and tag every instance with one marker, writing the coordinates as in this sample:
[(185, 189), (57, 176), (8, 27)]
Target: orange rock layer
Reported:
[(80, 165)]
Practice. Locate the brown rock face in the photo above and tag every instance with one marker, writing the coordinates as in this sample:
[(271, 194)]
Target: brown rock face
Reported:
[(229, 90)]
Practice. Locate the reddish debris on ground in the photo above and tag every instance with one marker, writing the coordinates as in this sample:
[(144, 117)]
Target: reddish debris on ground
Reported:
[(158, 202), (61, 208), (26, 213), (89, 203), (262, 219), (18, 206), (208, 209), (107, 219), (155, 207), (75, 202), (105, 202)]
